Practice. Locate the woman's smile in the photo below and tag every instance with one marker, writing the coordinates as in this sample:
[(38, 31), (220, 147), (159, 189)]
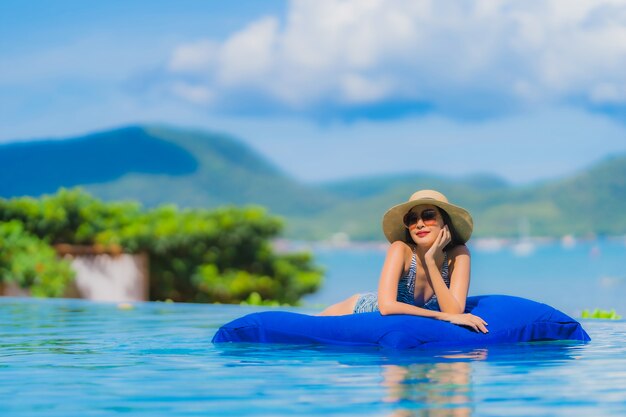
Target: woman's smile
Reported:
[(422, 233)]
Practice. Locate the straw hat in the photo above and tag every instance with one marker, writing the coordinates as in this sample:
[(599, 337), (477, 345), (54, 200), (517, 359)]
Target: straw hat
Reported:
[(394, 229)]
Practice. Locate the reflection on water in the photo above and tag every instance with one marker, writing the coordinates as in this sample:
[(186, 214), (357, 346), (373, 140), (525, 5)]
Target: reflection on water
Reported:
[(432, 389), (417, 386)]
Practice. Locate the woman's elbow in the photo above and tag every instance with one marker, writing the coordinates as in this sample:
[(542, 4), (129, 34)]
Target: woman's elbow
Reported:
[(453, 310), (385, 309)]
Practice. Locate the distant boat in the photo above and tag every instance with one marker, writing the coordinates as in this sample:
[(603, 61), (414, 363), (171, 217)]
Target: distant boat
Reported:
[(568, 241), (491, 244), (340, 240), (524, 246)]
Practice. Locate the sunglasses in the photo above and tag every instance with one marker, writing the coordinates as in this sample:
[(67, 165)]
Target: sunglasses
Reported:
[(428, 216)]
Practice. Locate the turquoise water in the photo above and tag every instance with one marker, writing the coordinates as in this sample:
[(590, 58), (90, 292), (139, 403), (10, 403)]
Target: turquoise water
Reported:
[(76, 358)]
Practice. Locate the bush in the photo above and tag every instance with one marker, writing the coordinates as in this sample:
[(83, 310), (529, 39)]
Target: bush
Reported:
[(223, 255), (600, 314), (31, 263)]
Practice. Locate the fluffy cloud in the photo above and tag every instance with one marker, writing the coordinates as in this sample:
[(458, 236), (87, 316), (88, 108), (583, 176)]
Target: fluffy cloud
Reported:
[(460, 58)]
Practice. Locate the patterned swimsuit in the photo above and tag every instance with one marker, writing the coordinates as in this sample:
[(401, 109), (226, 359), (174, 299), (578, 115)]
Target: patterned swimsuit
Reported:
[(368, 302)]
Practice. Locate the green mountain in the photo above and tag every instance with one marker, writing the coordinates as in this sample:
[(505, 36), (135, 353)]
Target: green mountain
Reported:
[(157, 165), (366, 199), (591, 202)]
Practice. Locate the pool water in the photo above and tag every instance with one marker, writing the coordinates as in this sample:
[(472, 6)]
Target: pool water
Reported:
[(77, 358)]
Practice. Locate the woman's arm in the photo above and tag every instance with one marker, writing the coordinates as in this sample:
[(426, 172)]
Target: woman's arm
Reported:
[(463, 319), (451, 300), (393, 269), (388, 291)]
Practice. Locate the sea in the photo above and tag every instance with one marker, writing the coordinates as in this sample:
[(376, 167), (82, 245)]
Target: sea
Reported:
[(68, 357)]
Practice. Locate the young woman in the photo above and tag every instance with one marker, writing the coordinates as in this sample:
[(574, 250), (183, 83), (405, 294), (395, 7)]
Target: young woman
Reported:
[(427, 267)]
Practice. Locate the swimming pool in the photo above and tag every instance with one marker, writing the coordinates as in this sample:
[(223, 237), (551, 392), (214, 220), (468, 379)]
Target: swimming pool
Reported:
[(76, 358)]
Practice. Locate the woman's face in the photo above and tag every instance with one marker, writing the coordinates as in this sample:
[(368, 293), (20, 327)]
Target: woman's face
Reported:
[(424, 223)]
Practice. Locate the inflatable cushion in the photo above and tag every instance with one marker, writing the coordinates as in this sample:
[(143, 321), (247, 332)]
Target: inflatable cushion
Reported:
[(511, 319)]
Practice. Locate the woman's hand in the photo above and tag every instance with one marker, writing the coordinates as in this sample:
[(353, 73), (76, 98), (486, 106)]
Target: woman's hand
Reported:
[(467, 319), (441, 241)]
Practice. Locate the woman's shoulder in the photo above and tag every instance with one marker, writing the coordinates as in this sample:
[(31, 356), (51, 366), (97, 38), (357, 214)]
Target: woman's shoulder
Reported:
[(400, 252), (400, 247)]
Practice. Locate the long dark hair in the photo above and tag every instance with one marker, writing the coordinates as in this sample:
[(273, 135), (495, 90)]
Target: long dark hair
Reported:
[(454, 236), (454, 241)]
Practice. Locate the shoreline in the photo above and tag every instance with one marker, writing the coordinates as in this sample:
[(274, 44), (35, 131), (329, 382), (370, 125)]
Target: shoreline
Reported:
[(481, 244)]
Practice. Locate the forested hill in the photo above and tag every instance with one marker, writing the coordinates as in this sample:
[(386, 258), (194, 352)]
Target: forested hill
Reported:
[(157, 165), (591, 202)]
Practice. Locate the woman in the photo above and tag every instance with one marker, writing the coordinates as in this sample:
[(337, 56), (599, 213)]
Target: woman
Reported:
[(427, 267)]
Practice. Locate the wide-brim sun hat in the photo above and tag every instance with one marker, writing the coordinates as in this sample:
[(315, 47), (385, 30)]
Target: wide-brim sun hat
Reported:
[(393, 225)]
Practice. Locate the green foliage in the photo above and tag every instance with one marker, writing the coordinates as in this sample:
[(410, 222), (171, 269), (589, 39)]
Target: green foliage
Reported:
[(70, 216), (255, 300), (283, 278), (224, 255), (600, 314), (31, 263)]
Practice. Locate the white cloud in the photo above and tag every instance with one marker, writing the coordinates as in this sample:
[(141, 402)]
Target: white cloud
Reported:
[(193, 93), (358, 89), (607, 93), (192, 57), (452, 54), (247, 57)]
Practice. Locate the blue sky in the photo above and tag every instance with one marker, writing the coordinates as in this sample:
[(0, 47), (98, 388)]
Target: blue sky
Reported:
[(528, 90)]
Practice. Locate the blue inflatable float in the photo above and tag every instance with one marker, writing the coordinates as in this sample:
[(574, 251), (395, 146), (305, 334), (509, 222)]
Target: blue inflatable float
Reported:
[(511, 319)]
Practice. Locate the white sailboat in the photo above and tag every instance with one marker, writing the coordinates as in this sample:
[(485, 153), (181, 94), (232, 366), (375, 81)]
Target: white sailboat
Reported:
[(524, 246)]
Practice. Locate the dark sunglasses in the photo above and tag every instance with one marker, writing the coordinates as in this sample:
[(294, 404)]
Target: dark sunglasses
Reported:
[(428, 216)]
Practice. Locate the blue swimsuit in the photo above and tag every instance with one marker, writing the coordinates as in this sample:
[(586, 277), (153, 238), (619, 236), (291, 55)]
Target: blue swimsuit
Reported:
[(368, 302)]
